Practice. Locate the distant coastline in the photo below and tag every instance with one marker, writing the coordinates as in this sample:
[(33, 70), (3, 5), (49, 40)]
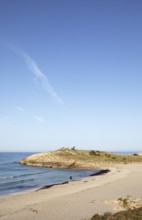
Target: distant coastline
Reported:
[(125, 152)]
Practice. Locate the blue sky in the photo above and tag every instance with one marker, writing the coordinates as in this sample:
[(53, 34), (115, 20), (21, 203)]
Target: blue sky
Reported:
[(70, 74)]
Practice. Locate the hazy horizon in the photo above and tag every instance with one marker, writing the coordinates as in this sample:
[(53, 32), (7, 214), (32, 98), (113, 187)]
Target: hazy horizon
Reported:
[(131, 151)]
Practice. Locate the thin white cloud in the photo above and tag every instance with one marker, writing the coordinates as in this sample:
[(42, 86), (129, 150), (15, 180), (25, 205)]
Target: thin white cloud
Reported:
[(18, 108), (39, 119), (39, 75), (43, 80)]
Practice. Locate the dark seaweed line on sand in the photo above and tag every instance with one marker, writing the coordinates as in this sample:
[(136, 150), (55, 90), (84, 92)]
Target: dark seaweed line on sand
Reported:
[(49, 186), (101, 172)]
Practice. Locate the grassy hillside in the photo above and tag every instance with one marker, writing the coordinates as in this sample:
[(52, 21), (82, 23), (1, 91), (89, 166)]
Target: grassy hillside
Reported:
[(95, 155), (73, 158)]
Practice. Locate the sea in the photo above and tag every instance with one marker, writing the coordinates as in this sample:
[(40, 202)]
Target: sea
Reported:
[(15, 178)]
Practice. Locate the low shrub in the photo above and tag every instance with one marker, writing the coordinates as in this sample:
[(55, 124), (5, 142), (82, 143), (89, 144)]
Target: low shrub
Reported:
[(131, 214), (94, 153)]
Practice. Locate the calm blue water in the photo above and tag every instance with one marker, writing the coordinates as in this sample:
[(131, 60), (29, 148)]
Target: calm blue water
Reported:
[(15, 177), (125, 152)]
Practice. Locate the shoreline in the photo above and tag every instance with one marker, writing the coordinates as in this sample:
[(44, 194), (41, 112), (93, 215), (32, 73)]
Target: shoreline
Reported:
[(97, 173), (78, 199)]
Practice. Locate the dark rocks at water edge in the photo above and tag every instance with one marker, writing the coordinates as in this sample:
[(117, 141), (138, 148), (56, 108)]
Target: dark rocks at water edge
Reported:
[(100, 172), (49, 186)]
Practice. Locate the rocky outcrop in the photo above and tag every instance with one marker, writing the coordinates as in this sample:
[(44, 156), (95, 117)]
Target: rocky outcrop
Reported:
[(62, 158), (100, 172), (78, 159)]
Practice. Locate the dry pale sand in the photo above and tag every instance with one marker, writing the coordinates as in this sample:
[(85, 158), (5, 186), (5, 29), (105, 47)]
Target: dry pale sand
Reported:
[(77, 200)]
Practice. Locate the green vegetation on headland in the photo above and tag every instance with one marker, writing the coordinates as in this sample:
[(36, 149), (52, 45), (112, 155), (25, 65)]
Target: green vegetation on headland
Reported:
[(73, 158), (130, 214)]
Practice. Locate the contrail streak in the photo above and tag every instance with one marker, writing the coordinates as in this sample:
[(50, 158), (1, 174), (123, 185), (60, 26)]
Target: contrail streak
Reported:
[(33, 67)]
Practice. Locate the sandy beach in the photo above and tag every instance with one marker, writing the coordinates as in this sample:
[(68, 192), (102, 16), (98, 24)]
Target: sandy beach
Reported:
[(76, 200)]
